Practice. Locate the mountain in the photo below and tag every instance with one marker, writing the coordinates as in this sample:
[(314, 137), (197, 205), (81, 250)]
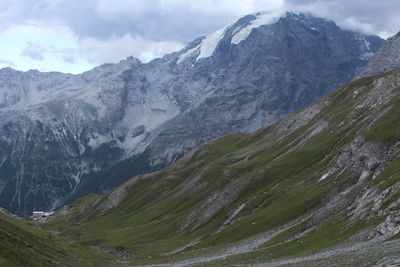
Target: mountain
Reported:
[(318, 187), (387, 57), (63, 136)]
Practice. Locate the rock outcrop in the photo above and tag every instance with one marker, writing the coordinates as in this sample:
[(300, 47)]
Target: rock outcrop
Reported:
[(387, 58)]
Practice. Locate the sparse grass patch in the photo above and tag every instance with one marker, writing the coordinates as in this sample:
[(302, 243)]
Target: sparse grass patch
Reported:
[(386, 130), (332, 231), (390, 175)]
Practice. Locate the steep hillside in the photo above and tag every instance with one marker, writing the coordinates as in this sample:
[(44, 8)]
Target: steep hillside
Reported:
[(320, 186), (23, 245)]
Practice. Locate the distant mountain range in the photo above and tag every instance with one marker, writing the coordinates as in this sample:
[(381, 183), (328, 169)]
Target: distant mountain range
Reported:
[(63, 136)]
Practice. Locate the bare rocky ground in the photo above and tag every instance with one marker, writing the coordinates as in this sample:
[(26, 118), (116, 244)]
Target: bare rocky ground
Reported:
[(355, 251), (375, 252), (370, 253)]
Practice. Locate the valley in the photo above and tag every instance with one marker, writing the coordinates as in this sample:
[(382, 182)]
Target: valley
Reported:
[(322, 179), (274, 141)]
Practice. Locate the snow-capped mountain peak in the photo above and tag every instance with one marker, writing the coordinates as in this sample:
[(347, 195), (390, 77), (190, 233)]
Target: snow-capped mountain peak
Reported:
[(262, 18), (239, 32), (206, 47)]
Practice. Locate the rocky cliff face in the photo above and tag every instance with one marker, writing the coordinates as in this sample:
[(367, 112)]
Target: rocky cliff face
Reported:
[(260, 74), (387, 58), (56, 129)]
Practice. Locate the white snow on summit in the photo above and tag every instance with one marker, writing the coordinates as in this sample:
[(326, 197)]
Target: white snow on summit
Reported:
[(208, 45), (263, 18), (188, 54)]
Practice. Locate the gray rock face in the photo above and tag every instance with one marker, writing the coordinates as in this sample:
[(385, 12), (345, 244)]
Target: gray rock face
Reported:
[(387, 58), (57, 128), (280, 68)]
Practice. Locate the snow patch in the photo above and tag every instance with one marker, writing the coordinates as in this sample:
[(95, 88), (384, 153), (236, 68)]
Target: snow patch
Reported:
[(207, 45), (326, 175), (264, 18), (323, 177), (187, 54)]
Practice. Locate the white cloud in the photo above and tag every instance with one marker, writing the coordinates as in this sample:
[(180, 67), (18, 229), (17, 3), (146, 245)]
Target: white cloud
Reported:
[(109, 8), (68, 33), (58, 48), (34, 51), (368, 16), (115, 49), (7, 63)]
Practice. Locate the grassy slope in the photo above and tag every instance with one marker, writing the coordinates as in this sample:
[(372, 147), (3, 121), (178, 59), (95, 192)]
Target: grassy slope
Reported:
[(23, 245), (274, 172)]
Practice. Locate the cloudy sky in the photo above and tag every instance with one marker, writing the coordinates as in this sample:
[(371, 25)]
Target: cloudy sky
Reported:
[(76, 35)]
